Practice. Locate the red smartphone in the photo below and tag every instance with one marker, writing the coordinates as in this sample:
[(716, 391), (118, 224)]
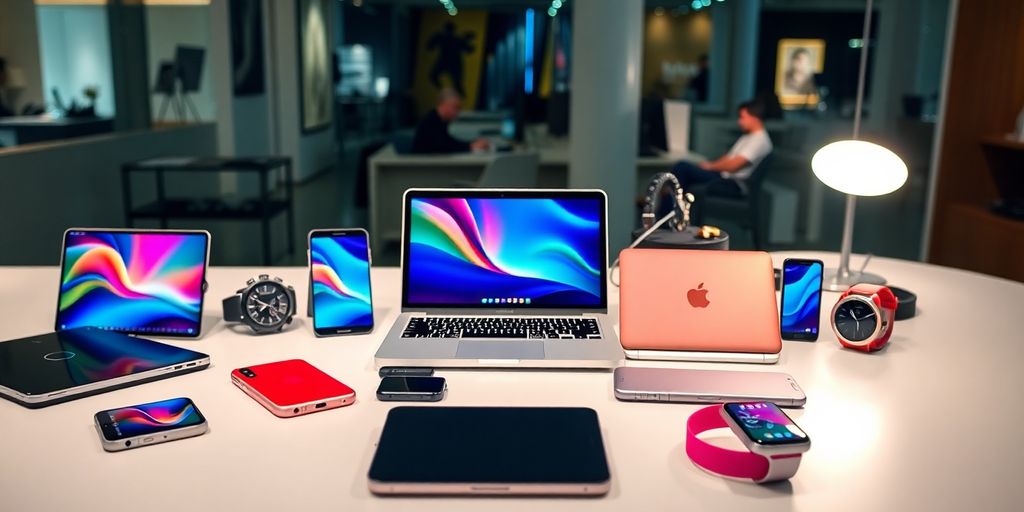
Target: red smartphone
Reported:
[(292, 388)]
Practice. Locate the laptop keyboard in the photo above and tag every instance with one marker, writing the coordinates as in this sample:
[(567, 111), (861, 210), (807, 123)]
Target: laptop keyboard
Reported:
[(573, 328)]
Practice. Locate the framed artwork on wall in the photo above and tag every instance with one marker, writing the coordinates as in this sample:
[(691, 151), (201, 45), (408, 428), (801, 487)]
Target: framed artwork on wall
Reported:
[(246, 17), (316, 86), (797, 62)]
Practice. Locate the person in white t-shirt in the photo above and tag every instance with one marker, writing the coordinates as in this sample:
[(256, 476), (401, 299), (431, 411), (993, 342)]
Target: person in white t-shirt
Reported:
[(727, 175)]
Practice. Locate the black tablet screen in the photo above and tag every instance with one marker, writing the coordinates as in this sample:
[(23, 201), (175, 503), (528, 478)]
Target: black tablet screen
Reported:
[(490, 445)]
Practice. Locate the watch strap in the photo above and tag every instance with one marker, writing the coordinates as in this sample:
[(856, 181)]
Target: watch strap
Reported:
[(907, 303), (885, 299), (715, 459), (233, 308)]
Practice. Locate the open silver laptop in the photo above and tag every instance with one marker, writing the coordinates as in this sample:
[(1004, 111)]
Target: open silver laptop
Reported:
[(503, 278)]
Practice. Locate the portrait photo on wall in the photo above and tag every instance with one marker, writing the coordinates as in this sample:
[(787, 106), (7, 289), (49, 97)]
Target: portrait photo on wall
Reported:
[(798, 61), (315, 61)]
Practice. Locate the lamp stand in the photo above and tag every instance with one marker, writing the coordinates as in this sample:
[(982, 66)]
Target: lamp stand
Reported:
[(839, 279)]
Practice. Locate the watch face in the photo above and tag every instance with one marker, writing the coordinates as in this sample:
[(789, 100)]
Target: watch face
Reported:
[(765, 424), (855, 320), (267, 304)]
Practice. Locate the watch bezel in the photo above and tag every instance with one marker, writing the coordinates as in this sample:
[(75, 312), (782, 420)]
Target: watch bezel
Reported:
[(879, 325), (253, 324)]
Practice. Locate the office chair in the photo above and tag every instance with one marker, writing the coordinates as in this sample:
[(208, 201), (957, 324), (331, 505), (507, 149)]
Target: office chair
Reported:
[(744, 209), (515, 170), (402, 143)]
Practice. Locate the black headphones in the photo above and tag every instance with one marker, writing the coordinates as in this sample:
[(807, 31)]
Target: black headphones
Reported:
[(681, 201)]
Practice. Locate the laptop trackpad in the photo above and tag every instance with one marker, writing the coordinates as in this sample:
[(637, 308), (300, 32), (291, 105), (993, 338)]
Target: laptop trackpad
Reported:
[(500, 350)]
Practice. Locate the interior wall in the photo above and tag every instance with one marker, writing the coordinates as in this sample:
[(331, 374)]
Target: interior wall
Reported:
[(74, 46), (310, 152), (82, 180), (19, 45), (253, 114), (672, 45), (187, 25), (985, 94)]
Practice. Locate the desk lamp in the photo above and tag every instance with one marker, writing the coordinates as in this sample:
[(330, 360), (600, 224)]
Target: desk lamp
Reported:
[(857, 168)]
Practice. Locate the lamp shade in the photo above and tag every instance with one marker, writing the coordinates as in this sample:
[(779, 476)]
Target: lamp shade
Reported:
[(859, 168)]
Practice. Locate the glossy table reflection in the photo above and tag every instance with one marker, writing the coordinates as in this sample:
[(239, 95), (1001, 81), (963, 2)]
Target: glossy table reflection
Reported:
[(930, 423)]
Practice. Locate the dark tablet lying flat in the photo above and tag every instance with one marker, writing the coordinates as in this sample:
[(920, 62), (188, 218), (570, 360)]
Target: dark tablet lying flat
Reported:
[(490, 450), (57, 367)]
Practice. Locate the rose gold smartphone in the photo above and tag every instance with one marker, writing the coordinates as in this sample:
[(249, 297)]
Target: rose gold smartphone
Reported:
[(491, 451), (706, 386)]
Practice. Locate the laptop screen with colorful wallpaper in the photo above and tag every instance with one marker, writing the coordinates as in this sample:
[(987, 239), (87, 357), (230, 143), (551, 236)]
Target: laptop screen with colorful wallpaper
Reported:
[(505, 250), (340, 268), (133, 281)]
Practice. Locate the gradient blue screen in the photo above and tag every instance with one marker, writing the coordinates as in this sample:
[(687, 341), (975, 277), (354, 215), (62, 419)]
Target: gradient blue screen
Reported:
[(341, 281), (506, 252), (801, 297)]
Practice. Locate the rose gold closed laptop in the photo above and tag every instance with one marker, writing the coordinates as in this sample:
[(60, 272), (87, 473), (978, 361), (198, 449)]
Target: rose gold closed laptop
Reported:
[(698, 305)]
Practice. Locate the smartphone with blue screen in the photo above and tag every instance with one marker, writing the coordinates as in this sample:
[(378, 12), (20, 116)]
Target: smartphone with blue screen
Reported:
[(339, 276), (801, 299)]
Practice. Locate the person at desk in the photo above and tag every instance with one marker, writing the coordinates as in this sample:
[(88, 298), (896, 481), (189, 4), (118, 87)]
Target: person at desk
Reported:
[(432, 133), (728, 173)]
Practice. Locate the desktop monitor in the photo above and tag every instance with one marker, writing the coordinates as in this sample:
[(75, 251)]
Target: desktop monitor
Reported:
[(189, 61), (677, 126), (652, 127)]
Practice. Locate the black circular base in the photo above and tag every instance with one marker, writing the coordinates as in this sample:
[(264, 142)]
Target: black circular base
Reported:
[(686, 239)]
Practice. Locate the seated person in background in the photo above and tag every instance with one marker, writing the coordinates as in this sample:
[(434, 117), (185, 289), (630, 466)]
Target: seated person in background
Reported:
[(432, 133), (727, 174)]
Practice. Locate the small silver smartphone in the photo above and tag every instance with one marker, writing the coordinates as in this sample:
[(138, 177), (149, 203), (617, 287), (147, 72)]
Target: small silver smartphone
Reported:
[(411, 389), (153, 423), (706, 386)]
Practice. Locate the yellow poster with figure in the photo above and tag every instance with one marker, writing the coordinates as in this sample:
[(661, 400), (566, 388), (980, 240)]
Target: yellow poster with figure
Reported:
[(449, 53)]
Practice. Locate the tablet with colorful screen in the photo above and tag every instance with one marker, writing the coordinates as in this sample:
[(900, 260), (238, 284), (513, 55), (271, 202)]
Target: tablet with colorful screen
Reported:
[(133, 281)]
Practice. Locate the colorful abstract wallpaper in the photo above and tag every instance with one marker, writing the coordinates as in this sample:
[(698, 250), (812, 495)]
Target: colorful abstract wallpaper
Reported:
[(341, 282), (538, 252), (142, 283), (802, 298), (766, 423), (154, 417)]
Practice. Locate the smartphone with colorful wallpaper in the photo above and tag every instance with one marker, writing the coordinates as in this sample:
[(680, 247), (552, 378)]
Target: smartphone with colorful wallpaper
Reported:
[(146, 424), (292, 388), (339, 276), (801, 299)]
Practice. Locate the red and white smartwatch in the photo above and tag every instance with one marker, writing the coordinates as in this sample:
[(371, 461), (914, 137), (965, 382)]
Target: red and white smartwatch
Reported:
[(863, 317), (774, 443)]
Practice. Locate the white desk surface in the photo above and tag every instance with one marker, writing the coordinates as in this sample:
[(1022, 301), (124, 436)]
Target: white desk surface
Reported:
[(931, 423)]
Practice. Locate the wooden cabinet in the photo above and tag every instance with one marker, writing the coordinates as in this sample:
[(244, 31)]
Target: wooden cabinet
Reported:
[(984, 94)]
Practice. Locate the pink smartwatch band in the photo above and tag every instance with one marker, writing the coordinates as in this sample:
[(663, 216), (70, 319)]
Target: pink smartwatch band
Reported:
[(718, 460)]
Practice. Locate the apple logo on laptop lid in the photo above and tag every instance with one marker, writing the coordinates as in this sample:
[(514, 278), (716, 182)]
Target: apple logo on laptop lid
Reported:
[(698, 297)]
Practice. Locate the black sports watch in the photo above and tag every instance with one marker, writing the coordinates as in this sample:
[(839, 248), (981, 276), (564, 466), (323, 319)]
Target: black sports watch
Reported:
[(266, 305)]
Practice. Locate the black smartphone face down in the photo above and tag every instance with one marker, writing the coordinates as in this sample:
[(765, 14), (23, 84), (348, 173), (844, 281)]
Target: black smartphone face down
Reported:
[(339, 265), (419, 389), (801, 299)]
